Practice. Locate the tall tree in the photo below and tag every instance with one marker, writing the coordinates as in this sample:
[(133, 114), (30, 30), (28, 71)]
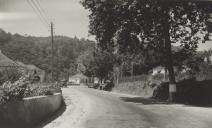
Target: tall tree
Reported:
[(143, 26)]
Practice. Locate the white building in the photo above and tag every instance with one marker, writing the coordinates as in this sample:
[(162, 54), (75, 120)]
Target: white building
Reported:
[(77, 79), (158, 70)]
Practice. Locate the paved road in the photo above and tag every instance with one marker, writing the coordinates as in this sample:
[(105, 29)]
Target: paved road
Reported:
[(110, 110), (107, 110), (89, 108)]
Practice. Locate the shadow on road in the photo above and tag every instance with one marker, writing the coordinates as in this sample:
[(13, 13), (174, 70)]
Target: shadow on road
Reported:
[(143, 100)]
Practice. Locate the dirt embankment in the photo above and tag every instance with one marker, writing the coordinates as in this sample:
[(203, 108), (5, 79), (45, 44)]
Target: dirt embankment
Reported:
[(138, 88), (188, 91)]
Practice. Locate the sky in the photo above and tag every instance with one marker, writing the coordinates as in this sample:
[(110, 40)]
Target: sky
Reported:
[(69, 18)]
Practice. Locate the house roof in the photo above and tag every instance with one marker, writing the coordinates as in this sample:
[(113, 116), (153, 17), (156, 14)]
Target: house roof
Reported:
[(5, 61), (158, 68), (29, 67), (81, 76)]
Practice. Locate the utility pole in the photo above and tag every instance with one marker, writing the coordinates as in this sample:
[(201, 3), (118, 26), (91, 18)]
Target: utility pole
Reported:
[(52, 52), (121, 72), (132, 71)]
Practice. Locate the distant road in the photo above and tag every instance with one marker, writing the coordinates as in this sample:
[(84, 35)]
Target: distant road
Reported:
[(100, 109)]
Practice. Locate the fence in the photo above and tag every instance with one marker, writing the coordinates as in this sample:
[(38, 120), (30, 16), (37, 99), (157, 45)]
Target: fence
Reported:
[(147, 77), (133, 78)]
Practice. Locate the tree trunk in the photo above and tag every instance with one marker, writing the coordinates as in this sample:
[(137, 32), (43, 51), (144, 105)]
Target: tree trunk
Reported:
[(169, 64), (169, 58)]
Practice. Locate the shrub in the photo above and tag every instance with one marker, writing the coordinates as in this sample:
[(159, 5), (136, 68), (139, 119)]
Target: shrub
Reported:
[(11, 74), (42, 89), (18, 90), (158, 77)]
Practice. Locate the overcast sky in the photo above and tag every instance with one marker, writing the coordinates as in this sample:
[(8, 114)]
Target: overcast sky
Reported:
[(69, 17)]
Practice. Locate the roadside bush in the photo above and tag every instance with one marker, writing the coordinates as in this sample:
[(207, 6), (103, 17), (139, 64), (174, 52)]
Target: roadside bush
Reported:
[(42, 89), (189, 91), (13, 93), (21, 89), (205, 72), (11, 74)]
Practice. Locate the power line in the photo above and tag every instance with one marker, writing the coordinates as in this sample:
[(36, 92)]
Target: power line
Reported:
[(35, 11), (42, 9), (36, 6), (39, 11)]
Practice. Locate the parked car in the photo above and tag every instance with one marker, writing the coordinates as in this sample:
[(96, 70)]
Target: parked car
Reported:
[(63, 83), (90, 85), (107, 85), (93, 85)]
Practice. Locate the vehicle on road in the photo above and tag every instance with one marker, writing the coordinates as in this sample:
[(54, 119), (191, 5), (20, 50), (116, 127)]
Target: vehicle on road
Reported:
[(93, 83), (63, 83), (107, 85)]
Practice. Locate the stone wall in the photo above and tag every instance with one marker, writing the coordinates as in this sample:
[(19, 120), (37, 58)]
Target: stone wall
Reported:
[(31, 110)]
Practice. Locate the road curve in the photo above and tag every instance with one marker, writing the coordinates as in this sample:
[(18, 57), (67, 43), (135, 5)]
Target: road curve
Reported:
[(111, 110)]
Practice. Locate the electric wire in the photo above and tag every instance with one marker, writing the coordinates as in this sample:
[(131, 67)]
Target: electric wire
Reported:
[(42, 9), (40, 12), (38, 15)]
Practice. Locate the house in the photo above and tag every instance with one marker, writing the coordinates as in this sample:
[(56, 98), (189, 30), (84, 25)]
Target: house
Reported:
[(158, 70), (32, 70), (77, 79), (208, 59), (8, 66), (7, 63)]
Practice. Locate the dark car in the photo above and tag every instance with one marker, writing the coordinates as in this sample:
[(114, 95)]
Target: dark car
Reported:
[(93, 85), (107, 86), (90, 85), (63, 83)]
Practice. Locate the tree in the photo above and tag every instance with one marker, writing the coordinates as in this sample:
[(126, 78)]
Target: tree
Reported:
[(138, 26), (102, 64), (37, 51)]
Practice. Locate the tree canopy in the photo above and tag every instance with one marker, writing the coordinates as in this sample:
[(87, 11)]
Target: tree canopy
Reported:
[(143, 28), (137, 26)]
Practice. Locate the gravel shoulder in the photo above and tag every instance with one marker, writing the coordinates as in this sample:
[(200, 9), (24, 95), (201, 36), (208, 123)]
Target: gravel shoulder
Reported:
[(76, 106)]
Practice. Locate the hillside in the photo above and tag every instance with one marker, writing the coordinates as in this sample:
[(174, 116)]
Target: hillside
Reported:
[(37, 51)]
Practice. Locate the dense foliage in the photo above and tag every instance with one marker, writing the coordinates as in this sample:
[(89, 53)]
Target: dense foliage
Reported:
[(23, 87), (37, 51), (137, 27)]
